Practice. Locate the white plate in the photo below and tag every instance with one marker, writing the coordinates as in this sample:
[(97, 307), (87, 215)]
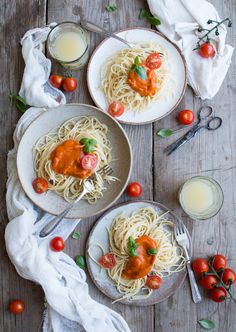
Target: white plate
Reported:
[(121, 153), (177, 69), (99, 236)]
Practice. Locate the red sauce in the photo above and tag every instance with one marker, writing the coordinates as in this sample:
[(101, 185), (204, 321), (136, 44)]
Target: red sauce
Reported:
[(146, 87), (66, 157), (139, 266)]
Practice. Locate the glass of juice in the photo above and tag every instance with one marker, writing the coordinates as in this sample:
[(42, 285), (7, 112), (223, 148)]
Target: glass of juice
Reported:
[(201, 197), (68, 43)]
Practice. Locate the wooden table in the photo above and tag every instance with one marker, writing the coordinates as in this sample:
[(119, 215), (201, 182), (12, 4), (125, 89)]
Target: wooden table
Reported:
[(211, 154)]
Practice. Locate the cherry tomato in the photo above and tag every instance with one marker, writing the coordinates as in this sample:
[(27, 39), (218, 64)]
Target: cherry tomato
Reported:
[(56, 80), (228, 277), (134, 189), (153, 282), (208, 281), (200, 265), (218, 294), (69, 84), (107, 261), (116, 109), (153, 61), (207, 50), (16, 306), (219, 262), (57, 244), (40, 185), (186, 117), (89, 161)]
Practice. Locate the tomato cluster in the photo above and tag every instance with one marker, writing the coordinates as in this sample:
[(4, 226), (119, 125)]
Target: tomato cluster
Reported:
[(215, 276), (69, 84)]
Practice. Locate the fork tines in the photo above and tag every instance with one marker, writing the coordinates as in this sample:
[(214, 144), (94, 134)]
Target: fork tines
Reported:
[(105, 170)]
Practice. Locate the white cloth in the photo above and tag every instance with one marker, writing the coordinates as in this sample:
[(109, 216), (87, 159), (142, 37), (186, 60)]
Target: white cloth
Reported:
[(70, 308), (180, 20), (35, 88)]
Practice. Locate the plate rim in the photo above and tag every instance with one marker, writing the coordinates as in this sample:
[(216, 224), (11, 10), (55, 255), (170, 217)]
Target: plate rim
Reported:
[(128, 177), (151, 202), (161, 35)]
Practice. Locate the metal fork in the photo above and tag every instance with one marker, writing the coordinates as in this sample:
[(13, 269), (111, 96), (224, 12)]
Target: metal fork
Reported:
[(87, 187), (182, 240)]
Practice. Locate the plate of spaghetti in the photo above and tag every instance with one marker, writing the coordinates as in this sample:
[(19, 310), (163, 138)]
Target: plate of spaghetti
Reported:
[(65, 146), (145, 82), (132, 255)]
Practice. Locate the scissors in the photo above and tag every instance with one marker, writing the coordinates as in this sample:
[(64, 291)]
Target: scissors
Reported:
[(205, 120)]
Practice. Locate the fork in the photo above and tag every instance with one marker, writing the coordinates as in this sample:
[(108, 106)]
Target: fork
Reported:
[(182, 240), (87, 187)]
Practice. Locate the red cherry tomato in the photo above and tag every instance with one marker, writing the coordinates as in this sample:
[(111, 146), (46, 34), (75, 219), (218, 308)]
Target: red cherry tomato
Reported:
[(40, 185), (56, 80), (16, 306), (219, 262), (116, 109), (200, 265), (69, 84), (228, 277), (207, 50), (57, 244), (107, 261), (218, 294), (208, 281), (186, 117), (134, 189), (153, 61), (89, 161), (153, 282)]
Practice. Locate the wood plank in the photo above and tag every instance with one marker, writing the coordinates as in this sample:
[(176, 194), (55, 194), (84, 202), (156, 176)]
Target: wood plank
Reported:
[(14, 23), (127, 15), (211, 154)]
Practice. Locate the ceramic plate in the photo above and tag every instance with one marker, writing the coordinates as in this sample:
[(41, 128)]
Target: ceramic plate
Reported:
[(121, 153), (176, 66), (99, 236)]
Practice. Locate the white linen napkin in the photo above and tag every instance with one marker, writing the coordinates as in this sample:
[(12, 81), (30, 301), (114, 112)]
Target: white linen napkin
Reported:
[(69, 307), (180, 20), (35, 88)]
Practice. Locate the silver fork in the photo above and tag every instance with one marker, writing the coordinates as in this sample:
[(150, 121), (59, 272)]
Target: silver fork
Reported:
[(87, 187), (182, 240)]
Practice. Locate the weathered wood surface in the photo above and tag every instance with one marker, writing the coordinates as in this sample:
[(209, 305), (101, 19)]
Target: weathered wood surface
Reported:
[(209, 153)]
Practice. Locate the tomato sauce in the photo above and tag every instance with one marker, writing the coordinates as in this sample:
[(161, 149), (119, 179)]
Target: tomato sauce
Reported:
[(66, 158), (146, 87), (139, 266)]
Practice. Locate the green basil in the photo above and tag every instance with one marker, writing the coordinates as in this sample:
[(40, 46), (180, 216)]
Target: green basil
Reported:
[(132, 246), (153, 20), (19, 102), (206, 324), (89, 144), (164, 132), (111, 8), (76, 235), (143, 13), (80, 261), (141, 72), (84, 140), (152, 251), (136, 60)]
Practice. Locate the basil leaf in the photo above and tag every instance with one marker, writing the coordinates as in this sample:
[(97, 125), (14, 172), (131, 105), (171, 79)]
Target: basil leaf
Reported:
[(141, 72), (152, 251), (153, 20), (136, 60), (92, 141), (143, 13), (80, 261), (133, 67), (111, 8), (164, 132), (19, 102), (76, 235), (132, 252), (131, 241), (206, 324), (84, 140), (88, 148)]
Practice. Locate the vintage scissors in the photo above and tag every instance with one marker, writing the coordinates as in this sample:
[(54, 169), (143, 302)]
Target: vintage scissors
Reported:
[(205, 120)]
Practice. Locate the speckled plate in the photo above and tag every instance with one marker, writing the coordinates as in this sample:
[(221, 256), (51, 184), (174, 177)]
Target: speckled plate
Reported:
[(99, 236), (121, 153)]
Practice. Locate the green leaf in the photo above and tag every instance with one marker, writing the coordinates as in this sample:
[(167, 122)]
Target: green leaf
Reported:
[(92, 141), (153, 20), (88, 148), (132, 252), (206, 324), (111, 8), (76, 235), (133, 67), (132, 246), (80, 261), (19, 102), (141, 72), (164, 132), (143, 13), (136, 60), (84, 140), (152, 251)]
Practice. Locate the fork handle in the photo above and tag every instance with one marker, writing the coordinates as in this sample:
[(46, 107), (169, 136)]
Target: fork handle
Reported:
[(196, 296)]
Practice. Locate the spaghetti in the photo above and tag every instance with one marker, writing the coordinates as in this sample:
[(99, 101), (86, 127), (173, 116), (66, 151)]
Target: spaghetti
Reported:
[(76, 129)]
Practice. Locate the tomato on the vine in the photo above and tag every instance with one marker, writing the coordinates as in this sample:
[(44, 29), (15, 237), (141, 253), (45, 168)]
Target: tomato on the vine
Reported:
[(219, 262), (56, 80), (228, 277), (69, 84), (209, 281), (57, 244), (207, 50), (186, 117), (134, 189), (218, 294), (200, 265), (16, 306)]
